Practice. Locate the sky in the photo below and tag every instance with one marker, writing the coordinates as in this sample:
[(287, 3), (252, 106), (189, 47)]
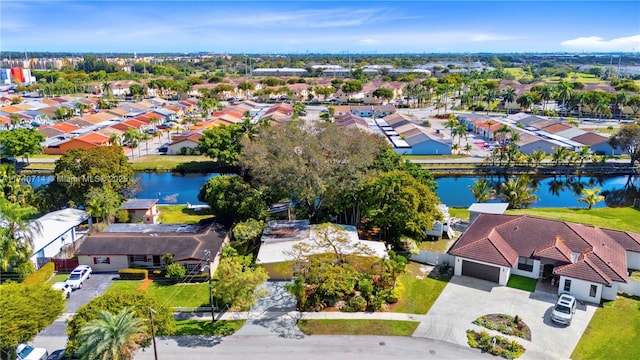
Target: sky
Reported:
[(328, 26)]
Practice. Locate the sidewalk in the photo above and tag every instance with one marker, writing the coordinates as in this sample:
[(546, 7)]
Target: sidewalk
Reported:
[(245, 315)]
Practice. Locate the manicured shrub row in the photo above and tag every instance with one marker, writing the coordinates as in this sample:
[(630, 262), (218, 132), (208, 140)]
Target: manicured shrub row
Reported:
[(133, 274), (42, 275), (508, 349)]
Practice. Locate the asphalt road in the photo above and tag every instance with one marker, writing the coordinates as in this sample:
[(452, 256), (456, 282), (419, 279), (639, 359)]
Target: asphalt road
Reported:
[(319, 347)]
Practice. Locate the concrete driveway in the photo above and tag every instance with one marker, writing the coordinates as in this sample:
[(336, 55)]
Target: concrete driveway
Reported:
[(465, 299), (95, 286)]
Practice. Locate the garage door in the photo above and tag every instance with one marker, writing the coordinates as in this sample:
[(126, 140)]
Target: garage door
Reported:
[(480, 271)]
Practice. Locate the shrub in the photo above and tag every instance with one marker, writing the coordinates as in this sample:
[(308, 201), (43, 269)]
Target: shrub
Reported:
[(426, 123), (133, 274), (197, 278), (355, 304), (41, 276), (175, 272), (25, 269), (122, 216), (471, 339)]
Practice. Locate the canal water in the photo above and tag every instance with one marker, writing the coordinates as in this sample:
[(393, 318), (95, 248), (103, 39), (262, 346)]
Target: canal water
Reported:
[(559, 191)]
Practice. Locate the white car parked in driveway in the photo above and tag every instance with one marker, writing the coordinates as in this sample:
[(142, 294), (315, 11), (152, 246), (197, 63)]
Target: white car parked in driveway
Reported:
[(66, 288), (564, 309), (28, 352), (78, 276)]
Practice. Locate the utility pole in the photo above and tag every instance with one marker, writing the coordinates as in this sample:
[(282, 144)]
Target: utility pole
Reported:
[(153, 334), (207, 254)]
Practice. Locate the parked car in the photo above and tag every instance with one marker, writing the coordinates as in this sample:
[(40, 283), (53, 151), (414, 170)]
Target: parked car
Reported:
[(28, 352), (66, 288), (78, 276), (61, 355), (564, 309)]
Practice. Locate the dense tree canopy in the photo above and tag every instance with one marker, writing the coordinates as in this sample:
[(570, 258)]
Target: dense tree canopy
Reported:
[(20, 142), (26, 310), (231, 196), (79, 170), (235, 280), (628, 139), (222, 144)]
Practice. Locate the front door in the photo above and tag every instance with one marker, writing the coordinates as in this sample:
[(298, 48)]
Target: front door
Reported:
[(156, 260)]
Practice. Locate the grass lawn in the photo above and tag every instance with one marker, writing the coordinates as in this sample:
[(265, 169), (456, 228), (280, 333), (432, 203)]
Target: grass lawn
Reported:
[(522, 283), (197, 327), (420, 291), (164, 162), (358, 327), (611, 218), (179, 214), (460, 213), (634, 275), (435, 246), (613, 333), (518, 72), (178, 295), (58, 278)]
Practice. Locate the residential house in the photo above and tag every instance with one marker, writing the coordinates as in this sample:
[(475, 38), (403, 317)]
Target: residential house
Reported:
[(87, 141), (122, 246), (597, 143), (187, 140), (51, 232), (142, 210), (280, 237), (587, 262), (528, 143)]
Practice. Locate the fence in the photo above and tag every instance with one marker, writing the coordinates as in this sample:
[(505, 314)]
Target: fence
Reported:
[(631, 287), (65, 264), (432, 258)]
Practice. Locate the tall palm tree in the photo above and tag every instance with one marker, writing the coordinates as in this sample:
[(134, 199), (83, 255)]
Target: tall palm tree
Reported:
[(560, 154), (601, 105), (564, 90), (112, 337), (591, 197), (482, 190), (620, 100), (518, 192), (546, 93), (509, 97), (584, 154), (489, 96), (525, 100), (459, 130), (16, 235), (537, 156), (451, 123)]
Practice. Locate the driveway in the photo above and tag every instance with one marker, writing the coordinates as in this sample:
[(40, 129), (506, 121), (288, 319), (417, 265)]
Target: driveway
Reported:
[(274, 314), (465, 299), (95, 286)]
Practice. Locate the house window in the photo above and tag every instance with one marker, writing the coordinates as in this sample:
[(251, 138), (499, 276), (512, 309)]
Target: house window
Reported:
[(593, 290), (192, 268), (137, 258), (101, 260), (567, 285), (525, 264)]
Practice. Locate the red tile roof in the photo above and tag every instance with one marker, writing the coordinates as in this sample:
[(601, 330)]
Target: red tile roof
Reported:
[(582, 252), (590, 139)]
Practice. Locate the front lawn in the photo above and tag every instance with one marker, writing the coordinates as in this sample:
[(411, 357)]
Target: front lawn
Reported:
[(522, 283), (435, 246), (179, 214), (198, 327), (420, 290), (460, 213), (609, 218), (58, 278), (173, 295), (613, 333), (358, 327)]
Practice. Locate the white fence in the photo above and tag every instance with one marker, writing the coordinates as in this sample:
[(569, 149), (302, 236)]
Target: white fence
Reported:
[(631, 287), (433, 258)]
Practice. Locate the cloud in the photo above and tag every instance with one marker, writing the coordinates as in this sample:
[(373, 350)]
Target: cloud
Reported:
[(367, 41), (492, 37), (597, 43)]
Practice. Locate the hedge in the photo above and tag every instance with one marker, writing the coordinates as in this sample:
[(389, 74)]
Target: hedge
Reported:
[(133, 274), (42, 275)]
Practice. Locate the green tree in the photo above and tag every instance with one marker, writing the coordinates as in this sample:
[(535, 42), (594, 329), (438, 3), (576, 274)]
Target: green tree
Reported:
[(236, 279), (114, 302), (21, 143), (634, 103), (21, 318), (103, 203), (137, 91), (383, 93), (222, 144), (13, 189), (400, 205), (482, 190), (628, 139), (247, 234), (15, 119), (537, 156), (584, 154), (591, 197), (80, 170), (110, 336), (525, 100), (176, 272), (231, 196), (518, 192), (451, 123), (559, 155), (351, 87), (509, 96), (16, 234)]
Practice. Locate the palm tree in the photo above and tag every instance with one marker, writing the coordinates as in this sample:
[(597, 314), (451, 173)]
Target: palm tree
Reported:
[(620, 100), (509, 97), (560, 154), (584, 154), (115, 140), (489, 96), (525, 100), (600, 105), (106, 88), (537, 156), (564, 90), (451, 123), (591, 197), (16, 235), (482, 190), (546, 93), (518, 192), (112, 337), (459, 130)]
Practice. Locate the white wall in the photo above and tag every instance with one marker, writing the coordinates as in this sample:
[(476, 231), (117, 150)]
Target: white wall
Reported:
[(505, 272), (633, 260), (116, 262), (534, 274), (631, 287), (580, 289), (610, 293)]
